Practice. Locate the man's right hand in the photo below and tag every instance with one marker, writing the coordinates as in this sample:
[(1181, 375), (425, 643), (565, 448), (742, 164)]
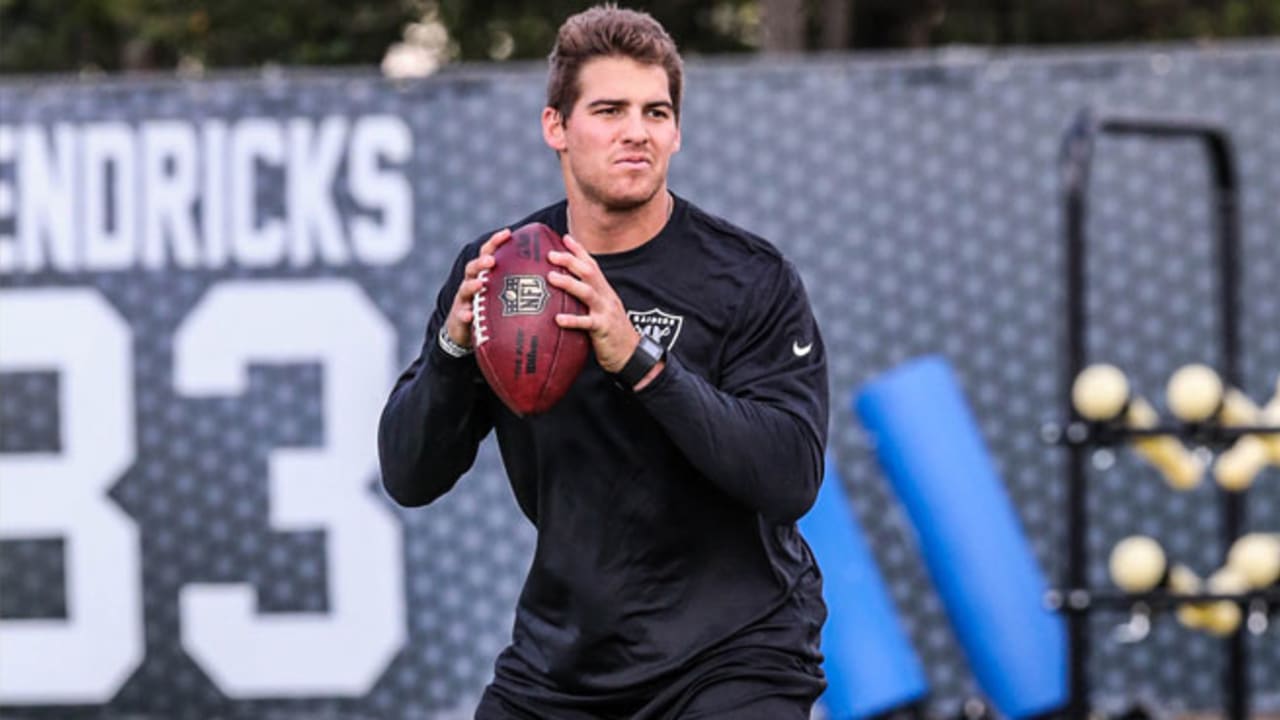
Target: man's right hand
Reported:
[(458, 324)]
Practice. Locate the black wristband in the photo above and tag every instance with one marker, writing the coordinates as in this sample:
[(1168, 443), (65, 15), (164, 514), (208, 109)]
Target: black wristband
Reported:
[(648, 353)]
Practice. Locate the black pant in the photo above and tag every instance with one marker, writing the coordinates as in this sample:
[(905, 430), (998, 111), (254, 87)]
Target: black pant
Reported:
[(733, 699), (750, 676)]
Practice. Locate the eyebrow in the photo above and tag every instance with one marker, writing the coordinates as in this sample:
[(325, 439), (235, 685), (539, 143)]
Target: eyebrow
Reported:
[(610, 102)]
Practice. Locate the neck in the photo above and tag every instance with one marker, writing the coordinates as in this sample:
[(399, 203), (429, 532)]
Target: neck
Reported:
[(601, 230)]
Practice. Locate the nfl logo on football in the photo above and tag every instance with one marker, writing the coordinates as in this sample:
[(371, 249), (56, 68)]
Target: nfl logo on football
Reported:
[(524, 295)]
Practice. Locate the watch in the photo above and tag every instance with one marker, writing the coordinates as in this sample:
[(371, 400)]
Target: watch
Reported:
[(648, 353), (451, 348)]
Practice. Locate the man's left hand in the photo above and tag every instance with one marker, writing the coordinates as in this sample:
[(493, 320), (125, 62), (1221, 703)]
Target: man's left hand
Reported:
[(613, 336)]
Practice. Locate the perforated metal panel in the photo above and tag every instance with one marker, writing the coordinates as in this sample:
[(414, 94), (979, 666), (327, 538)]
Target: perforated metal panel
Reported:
[(918, 197)]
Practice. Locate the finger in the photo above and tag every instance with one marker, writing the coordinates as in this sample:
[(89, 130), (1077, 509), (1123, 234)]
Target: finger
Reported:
[(494, 241), (574, 322), (573, 286), (575, 247), (578, 251), (468, 289), (465, 314), (583, 269), (482, 262)]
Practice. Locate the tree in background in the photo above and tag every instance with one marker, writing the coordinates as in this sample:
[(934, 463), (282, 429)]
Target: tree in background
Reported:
[(114, 35), (884, 24), (129, 35)]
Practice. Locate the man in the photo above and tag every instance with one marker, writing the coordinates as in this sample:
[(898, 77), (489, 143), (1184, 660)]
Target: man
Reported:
[(669, 579)]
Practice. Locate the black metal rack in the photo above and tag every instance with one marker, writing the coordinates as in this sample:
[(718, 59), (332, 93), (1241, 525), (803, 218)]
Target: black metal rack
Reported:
[(1076, 599)]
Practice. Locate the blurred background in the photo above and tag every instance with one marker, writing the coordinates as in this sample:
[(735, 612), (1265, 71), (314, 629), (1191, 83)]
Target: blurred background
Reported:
[(223, 225), (113, 36)]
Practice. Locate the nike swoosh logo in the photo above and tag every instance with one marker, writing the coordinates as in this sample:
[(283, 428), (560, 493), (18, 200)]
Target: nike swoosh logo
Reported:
[(801, 350)]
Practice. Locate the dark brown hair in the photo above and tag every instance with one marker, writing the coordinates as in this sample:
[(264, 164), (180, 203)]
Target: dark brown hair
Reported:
[(604, 31)]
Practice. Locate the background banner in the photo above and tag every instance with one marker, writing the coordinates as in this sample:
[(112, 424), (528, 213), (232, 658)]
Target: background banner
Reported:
[(208, 287)]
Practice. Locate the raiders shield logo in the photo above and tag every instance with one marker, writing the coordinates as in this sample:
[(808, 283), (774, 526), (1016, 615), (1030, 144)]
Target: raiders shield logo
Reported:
[(657, 325), (524, 295)]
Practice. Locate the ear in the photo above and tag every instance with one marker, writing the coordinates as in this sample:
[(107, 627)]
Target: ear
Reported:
[(553, 129), (676, 148)]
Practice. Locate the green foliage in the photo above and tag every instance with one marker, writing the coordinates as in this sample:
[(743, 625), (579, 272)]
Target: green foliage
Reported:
[(122, 35), (60, 35), (481, 29), (1091, 21)]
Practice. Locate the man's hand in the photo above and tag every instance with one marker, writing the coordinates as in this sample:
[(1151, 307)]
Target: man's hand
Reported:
[(613, 336), (458, 324)]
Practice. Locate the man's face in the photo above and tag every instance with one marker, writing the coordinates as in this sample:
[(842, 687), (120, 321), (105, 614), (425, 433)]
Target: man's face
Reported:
[(618, 140)]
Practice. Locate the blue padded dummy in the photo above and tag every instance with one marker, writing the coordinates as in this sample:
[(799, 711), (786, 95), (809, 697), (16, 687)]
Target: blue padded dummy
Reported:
[(870, 665), (929, 446)]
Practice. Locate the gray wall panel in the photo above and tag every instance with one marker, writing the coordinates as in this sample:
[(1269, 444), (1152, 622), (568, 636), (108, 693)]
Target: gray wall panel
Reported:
[(918, 196)]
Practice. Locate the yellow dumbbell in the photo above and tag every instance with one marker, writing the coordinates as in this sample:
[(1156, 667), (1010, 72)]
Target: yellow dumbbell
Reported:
[(1138, 564), (1270, 417), (1185, 582), (1222, 617), (1181, 468), (1256, 557), (1238, 466), (1196, 394), (1101, 393)]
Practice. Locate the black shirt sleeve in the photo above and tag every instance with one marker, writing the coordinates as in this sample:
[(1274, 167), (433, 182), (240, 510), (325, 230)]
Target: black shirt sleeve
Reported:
[(759, 433), (437, 414)]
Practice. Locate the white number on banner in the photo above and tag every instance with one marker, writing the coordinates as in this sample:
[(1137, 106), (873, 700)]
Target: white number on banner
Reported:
[(342, 652), (86, 657)]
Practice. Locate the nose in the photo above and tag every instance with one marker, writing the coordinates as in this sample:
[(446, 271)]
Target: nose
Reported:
[(634, 130)]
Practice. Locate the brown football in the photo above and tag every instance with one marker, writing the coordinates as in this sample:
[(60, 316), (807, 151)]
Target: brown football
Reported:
[(529, 361)]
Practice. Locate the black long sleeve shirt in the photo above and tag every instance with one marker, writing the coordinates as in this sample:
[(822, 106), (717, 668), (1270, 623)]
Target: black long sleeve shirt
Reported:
[(665, 517)]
